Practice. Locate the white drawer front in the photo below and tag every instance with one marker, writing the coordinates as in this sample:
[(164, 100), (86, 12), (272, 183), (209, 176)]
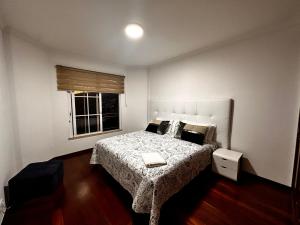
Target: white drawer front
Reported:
[(225, 171), (225, 162)]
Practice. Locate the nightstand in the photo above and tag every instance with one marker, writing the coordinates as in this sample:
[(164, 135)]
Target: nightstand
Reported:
[(227, 163)]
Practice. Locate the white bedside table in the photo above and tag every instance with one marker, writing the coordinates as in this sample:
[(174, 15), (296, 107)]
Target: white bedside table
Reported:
[(227, 163)]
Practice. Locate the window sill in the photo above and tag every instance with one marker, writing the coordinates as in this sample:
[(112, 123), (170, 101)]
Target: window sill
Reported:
[(94, 134)]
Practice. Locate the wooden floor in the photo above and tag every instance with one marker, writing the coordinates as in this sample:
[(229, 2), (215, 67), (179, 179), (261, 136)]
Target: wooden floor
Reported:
[(90, 196)]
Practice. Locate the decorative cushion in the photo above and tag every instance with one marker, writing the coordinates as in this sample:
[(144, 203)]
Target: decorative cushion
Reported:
[(158, 126), (173, 127), (210, 133), (163, 127), (196, 138), (194, 133), (179, 130), (152, 127)]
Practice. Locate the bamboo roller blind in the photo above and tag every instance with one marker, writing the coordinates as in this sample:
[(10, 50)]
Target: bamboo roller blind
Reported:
[(73, 79)]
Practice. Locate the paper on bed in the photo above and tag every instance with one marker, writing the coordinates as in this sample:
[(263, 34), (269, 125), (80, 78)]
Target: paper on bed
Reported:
[(153, 159)]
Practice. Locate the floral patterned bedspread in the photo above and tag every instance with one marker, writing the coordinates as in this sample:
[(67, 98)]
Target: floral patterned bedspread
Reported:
[(151, 187)]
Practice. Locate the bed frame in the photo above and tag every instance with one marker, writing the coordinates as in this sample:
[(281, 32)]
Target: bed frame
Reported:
[(218, 112)]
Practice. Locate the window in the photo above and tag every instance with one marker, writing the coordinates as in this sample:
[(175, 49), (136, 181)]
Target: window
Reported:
[(94, 112)]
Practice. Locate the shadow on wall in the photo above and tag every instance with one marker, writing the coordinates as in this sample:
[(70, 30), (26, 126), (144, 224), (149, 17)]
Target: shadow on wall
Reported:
[(231, 113), (246, 165)]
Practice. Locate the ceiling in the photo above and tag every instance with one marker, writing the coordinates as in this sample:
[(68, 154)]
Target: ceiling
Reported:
[(95, 28)]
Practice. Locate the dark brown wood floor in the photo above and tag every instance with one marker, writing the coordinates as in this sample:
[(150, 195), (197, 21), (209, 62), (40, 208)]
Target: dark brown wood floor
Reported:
[(90, 196)]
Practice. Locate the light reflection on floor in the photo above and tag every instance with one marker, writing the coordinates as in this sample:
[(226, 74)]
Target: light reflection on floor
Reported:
[(83, 190)]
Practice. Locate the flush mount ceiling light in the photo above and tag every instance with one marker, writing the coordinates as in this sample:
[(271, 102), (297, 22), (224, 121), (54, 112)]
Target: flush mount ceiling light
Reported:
[(134, 31)]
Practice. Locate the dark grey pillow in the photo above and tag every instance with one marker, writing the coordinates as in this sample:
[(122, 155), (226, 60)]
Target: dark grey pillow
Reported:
[(196, 138), (152, 127), (163, 127)]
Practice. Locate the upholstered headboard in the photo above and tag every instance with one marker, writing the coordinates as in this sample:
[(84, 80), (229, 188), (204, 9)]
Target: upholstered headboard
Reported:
[(218, 112)]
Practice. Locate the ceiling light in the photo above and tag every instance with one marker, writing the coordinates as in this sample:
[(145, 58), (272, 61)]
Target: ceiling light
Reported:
[(134, 31)]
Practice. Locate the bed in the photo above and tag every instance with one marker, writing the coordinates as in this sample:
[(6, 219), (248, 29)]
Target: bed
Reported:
[(152, 187)]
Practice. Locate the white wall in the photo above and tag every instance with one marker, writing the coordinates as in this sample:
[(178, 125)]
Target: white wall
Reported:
[(260, 75), (42, 111), (7, 142), (136, 98)]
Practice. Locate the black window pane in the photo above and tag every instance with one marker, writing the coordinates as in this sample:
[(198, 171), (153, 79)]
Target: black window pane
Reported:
[(94, 105), (94, 94), (110, 103), (81, 105), (110, 122), (110, 111), (94, 123), (82, 124), (80, 94)]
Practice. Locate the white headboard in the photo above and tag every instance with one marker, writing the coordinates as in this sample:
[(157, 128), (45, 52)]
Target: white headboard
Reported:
[(218, 112)]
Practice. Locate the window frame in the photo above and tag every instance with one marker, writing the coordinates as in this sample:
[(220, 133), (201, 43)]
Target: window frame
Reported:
[(73, 116)]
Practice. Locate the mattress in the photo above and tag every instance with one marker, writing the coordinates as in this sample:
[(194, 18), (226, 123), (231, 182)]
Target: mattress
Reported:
[(151, 187)]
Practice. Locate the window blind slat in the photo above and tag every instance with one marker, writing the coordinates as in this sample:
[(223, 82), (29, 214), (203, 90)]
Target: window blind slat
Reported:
[(89, 89), (87, 83), (73, 79)]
